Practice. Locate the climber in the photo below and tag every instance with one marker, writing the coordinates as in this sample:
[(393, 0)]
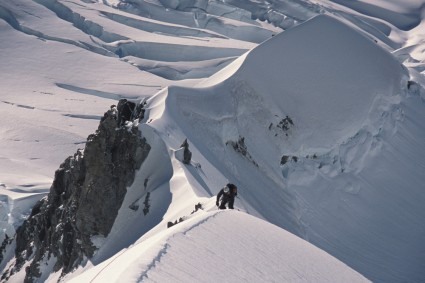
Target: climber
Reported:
[(227, 195)]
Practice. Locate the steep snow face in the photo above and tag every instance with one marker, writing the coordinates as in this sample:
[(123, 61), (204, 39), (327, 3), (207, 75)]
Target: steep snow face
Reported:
[(298, 94), (321, 72), (222, 247), (299, 123)]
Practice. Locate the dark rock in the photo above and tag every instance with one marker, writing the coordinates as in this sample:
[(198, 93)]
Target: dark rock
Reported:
[(284, 159), (134, 206), (129, 111), (197, 207), (187, 155), (84, 199), (241, 147), (147, 204), (7, 241), (286, 124), (125, 110), (171, 224)]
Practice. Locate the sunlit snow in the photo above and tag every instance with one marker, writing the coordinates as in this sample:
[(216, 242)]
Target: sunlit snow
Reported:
[(326, 96)]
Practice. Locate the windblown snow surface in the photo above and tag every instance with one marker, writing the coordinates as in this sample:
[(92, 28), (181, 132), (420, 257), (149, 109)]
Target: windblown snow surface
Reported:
[(226, 246), (327, 117)]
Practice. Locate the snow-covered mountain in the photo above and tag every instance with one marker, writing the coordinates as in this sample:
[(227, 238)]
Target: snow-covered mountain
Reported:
[(312, 108)]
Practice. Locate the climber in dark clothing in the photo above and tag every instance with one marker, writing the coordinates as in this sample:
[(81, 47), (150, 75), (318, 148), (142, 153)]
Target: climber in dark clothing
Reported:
[(227, 195)]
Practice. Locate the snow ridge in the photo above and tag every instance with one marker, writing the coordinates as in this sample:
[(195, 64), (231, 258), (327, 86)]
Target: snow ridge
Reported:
[(318, 126)]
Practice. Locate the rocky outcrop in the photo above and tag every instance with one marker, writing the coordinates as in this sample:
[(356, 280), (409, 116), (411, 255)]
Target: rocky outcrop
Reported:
[(7, 241), (84, 199), (187, 154), (240, 147), (183, 154)]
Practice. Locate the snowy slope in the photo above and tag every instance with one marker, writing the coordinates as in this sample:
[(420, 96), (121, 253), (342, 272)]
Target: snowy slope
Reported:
[(221, 247), (325, 115), (348, 111)]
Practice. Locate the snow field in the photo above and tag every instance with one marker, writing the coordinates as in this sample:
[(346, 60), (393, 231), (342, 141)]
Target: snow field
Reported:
[(227, 246), (343, 122)]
